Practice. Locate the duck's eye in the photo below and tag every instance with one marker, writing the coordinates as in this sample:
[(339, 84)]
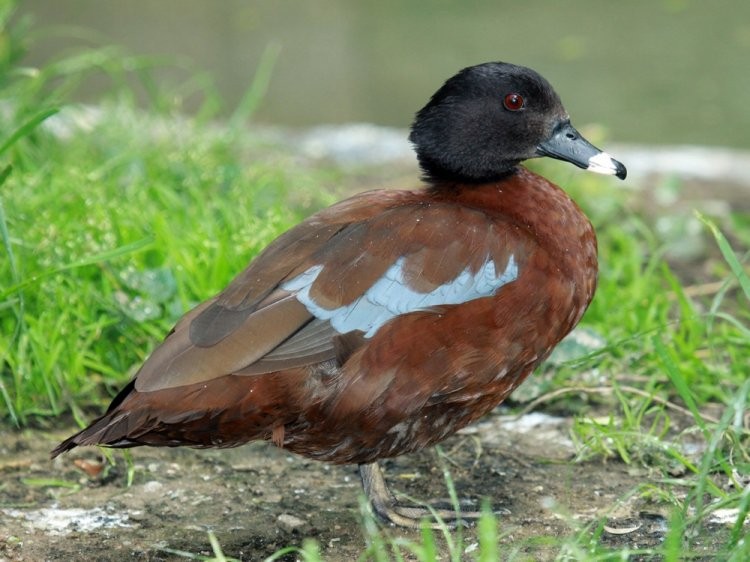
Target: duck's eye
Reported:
[(513, 102)]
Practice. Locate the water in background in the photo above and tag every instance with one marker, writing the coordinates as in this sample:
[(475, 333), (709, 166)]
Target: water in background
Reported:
[(653, 71)]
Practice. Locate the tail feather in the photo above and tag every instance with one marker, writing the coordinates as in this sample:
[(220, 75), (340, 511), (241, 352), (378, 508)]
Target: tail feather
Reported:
[(220, 413), (109, 430)]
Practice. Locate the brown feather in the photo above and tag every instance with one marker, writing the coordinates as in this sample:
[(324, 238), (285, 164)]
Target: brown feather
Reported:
[(420, 377), (178, 361)]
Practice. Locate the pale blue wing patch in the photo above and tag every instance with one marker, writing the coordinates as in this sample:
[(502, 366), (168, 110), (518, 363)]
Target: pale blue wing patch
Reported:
[(391, 296)]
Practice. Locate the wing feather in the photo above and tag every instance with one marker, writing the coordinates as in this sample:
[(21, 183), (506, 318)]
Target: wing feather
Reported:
[(178, 361), (347, 270)]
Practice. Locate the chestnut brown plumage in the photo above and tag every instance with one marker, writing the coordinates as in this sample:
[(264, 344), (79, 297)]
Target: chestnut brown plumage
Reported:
[(385, 323)]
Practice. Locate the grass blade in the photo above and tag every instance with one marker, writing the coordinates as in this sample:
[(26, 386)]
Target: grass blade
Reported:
[(4, 229), (728, 253), (19, 305), (487, 533), (27, 127), (137, 246), (257, 89), (673, 372)]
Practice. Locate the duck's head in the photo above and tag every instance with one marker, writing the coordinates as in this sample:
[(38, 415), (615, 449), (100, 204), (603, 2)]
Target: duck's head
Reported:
[(487, 118)]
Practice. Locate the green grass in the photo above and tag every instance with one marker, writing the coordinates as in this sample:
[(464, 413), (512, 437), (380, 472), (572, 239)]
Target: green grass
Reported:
[(114, 222), (113, 232), (109, 241)]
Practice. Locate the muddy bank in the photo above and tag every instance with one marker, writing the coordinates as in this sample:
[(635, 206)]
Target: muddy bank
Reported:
[(258, 499)]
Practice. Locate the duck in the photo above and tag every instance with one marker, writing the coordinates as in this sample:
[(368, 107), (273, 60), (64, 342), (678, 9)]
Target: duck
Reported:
[(385, 323)]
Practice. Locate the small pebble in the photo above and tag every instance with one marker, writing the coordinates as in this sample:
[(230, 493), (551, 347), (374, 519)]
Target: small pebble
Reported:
[(290, 522), (152, 486)]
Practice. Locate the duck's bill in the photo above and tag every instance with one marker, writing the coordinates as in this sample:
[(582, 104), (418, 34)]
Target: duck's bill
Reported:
[(569, 145)]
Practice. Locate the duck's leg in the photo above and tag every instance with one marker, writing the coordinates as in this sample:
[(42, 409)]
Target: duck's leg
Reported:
[(389, 510)]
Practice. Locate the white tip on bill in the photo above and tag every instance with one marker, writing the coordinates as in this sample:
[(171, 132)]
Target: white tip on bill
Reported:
[(602, 163)]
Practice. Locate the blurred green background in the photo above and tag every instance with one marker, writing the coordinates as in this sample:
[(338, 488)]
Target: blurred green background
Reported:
[(655, 71)]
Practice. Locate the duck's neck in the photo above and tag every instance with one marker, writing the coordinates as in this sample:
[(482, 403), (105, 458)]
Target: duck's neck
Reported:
[(436, 174), (532, 203)]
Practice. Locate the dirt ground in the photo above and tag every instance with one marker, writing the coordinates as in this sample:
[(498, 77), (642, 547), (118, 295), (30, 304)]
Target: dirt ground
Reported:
[(258, 499)]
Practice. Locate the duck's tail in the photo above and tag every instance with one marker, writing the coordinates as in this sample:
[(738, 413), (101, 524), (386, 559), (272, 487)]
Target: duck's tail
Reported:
[(110, 430)]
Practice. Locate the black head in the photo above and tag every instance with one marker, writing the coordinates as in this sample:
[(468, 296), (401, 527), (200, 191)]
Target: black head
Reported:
[(487, 118)]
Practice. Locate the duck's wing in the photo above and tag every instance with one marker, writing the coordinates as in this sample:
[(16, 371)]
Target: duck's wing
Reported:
[(326, 286)]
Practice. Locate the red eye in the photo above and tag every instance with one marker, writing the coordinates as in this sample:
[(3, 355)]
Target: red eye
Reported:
[(513, 102)]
